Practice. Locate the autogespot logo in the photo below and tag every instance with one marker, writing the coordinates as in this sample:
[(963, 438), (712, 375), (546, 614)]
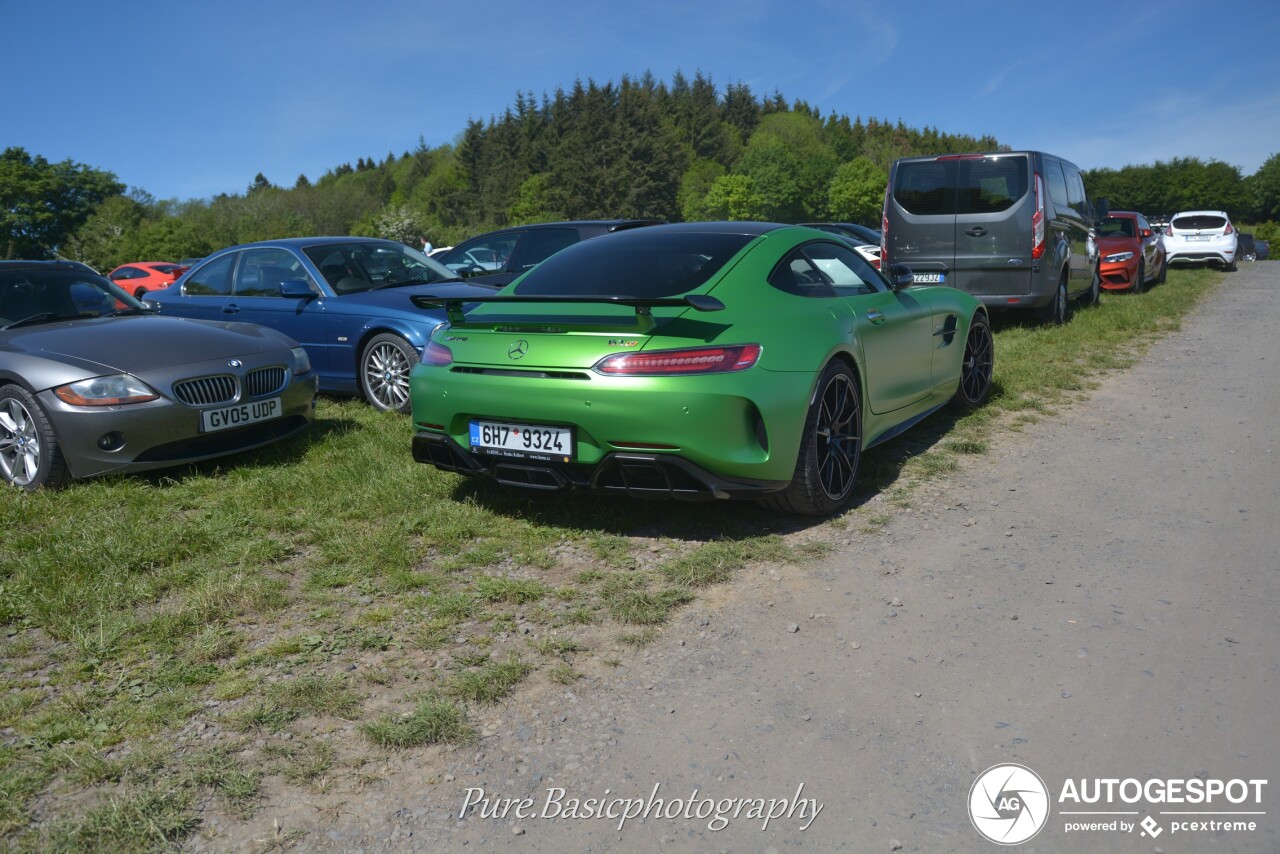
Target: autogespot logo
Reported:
[(1008, 804)]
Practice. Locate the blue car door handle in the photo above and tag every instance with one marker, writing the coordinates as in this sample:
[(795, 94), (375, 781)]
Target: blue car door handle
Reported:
[(230, 308), (875, 316)]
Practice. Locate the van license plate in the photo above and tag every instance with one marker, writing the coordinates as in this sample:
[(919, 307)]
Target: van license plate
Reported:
[(536, 441), (930, 278)]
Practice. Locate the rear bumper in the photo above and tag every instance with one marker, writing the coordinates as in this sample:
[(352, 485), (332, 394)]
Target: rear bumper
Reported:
[(662, 476), (1181, 258)]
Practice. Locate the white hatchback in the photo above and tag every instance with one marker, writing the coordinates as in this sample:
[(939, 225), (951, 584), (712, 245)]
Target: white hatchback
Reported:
[(1201, 237)]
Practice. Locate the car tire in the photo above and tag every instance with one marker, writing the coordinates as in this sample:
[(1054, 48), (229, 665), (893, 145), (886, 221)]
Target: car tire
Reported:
[(1230, 268), (1094, 294), (830, 447), (976, 366), (1140, 280), (1058, 312), (385, 364), (1164, 271), (30, 457)]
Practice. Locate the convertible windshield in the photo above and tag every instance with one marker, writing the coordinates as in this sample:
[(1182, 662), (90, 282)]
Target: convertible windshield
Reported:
[(637, 263), (357, 266), (32, 296)]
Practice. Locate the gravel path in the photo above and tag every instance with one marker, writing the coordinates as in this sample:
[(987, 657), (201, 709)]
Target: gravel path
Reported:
[(1094, 598)]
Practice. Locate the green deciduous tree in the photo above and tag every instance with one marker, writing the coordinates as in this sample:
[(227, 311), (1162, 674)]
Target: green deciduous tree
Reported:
[(856, 193), (1264, 189), (42, 203)]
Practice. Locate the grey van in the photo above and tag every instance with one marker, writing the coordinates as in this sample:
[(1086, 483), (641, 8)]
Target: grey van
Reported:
[(1015, 229)]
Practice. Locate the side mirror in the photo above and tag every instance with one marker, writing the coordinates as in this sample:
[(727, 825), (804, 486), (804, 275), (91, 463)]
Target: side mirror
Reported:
[(296, 289), (900, 276)]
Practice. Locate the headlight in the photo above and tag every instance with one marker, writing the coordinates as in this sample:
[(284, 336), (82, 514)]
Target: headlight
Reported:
[(106, 391), (1118, 257), (301, 362)]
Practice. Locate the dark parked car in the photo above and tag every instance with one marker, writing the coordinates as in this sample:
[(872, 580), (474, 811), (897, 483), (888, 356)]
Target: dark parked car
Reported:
[(497, 257), (1248, 249), (345, 299), (93, 383), (1013, 228), (1264, 249), (865, 240)]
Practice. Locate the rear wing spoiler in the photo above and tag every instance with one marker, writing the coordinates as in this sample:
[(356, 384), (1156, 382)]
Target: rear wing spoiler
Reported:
[(643, 306)]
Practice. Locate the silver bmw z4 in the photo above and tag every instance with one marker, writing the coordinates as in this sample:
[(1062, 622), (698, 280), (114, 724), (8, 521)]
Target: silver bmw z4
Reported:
[(92, 383)]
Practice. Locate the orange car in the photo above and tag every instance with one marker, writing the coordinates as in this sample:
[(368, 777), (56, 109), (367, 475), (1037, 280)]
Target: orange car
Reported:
[(1131, 253), (142, 276)]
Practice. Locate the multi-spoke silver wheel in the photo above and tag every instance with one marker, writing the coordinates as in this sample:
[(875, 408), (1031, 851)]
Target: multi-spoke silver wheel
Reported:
[(19, 444), (384, 372), (29, 453)]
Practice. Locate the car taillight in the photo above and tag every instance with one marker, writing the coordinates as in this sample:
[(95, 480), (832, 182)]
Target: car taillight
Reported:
[(436, 355), (1229, 229), (1037, 221), (698, 360)]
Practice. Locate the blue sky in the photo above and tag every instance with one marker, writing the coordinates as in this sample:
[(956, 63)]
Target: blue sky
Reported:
[(190, 99)]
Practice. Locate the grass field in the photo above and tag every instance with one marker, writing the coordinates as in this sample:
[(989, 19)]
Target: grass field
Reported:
[(171, 640)]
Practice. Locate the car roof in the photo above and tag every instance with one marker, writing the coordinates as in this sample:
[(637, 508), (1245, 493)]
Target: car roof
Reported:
[(1195, 213), (44, 265)]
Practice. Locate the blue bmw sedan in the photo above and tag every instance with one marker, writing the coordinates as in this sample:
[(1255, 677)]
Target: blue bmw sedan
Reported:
[(344, 299)]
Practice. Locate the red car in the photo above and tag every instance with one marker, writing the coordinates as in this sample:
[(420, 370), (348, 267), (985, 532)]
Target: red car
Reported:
[(1132, 254), (142, 276)]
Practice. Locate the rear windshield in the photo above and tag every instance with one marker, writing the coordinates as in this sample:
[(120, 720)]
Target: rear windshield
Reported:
[(638, 263), (1199, 222), (962, 186)]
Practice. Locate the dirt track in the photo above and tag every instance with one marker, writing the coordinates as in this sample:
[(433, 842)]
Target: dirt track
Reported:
[(1094, 598)]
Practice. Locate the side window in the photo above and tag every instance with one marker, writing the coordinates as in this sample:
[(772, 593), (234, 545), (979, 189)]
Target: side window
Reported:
[(1075, 189), (539, 244), (483, 256), (1142, 223), (1057, 182), (846, 270), (825, 270), (213, 279), (262, 270), (125, 273)]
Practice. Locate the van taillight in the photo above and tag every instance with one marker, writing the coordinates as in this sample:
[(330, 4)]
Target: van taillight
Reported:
[(1037, 221), (884, 227)]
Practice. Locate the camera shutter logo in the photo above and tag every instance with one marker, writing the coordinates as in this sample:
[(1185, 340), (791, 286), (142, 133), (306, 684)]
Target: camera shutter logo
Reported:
[(1009, 804)]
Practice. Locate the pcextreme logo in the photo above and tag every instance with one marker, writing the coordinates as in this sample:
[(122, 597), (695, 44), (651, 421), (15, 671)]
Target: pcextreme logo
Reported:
[(1009, 804)]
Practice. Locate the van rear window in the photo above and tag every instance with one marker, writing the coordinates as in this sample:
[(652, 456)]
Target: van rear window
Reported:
[(926, 187), (990, 185), (977, 185)]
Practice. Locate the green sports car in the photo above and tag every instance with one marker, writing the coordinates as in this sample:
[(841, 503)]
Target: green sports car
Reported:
[(694, 361)]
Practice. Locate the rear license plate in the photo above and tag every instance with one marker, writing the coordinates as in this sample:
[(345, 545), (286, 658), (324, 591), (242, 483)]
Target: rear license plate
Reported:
[(1198, 237), (226, 417), (536, 441), (930, 278)]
